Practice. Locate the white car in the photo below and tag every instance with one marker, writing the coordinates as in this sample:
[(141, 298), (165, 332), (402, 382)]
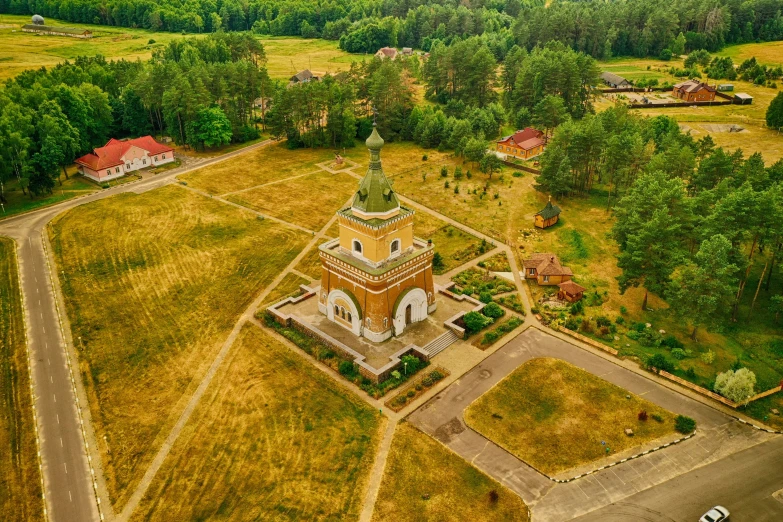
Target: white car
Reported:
[(716, 514)]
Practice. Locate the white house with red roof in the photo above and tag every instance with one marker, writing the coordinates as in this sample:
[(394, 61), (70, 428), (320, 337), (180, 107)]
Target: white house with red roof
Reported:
[(118, 157), (523, 144)]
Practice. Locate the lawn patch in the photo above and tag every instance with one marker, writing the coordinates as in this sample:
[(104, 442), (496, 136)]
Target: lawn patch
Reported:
[(288, 286), (554, 416), (151, 294), (272, 439), (423, 480), (20, 487)]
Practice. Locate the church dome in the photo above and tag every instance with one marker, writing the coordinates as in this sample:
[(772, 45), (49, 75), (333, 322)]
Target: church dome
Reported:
[(374, 142)]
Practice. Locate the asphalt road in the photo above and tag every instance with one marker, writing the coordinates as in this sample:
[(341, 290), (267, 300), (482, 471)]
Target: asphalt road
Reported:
[(743, 483), (68, 483)]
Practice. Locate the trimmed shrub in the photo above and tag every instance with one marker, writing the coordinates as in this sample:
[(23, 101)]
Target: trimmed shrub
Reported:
[(493, 310), (346, 368), (679, 354), (475, 321), (485, 297), (684, 425)]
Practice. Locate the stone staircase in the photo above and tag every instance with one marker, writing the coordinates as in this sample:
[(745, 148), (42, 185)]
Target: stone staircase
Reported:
[(440, 343)]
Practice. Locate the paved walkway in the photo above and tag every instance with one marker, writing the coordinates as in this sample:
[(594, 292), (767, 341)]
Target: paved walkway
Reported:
[(442, 417)]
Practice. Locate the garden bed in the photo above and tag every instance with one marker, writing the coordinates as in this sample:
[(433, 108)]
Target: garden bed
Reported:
[(480, 284), (494, 335), (418, 386)]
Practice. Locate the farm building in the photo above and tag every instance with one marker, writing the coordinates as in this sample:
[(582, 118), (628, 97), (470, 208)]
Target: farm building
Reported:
[(694, 90), (570, 291), (407, 51), (303, 77), (742, 98), (39, 27), (117, 158), (615, 81), (548, 216), (546, 269), (523, 144), (376, 276), (387, 52)]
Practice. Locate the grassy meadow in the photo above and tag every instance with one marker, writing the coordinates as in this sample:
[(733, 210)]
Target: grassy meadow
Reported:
[(554, 416), (768, 53), (289, 285), (153, 283), (20, 486), (17, 202), (272, 439), (20, 51), (419, 466)]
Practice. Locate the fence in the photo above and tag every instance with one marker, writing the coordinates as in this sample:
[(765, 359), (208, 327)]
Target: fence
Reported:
[(520, 167), (587, 340), (677, 104)]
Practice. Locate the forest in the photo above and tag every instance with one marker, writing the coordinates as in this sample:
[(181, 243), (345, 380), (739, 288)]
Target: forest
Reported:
[(190, 88), (599, 29)]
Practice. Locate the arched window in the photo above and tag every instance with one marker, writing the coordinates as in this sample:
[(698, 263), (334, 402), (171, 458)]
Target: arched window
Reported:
[(342, 312), (395, 247), (357, 246), (336, 311), (348, 317)]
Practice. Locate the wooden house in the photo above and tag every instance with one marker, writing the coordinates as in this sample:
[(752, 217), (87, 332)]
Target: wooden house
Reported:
[(570, 291), (546, 269), (547, 216), (523, 144), (387, 52), (694, 90)]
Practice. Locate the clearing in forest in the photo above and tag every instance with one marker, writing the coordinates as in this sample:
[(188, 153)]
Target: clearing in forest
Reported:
[(273, 439), (153, 283)]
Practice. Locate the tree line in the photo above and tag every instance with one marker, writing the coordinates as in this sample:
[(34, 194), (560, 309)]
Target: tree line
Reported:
[(599, 29), (201, 92)]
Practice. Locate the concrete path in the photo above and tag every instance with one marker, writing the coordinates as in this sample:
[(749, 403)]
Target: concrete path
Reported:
[(442, 417)]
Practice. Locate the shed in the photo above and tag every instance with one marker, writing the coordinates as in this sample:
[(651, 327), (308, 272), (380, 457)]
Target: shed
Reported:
[(548, 216), (615, 80), (570, 291), (726, 87), (742, 98)]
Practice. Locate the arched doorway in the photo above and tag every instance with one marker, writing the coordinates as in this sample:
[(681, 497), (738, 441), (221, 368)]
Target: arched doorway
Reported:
[(342, 310), (411, 307)]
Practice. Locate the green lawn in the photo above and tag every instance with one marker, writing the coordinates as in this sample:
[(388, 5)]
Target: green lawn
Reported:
[(424, 480), (554, 416), (152, 294), (20, 486), (272, 439), (18, 202)]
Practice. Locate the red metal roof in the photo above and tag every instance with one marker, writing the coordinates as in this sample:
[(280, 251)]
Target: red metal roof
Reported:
[(693, 86), (526, 139), (110, 155)]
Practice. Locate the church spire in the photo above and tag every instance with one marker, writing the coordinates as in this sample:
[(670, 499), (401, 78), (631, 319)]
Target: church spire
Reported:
[(375, 197)]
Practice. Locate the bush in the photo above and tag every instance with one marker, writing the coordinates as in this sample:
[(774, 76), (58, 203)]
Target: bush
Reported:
[(586, 326), (475, 321), (485, 297), (665, 55), (493, 310), (623, 310), (684, 425), (410, 393), (679, 354), (437, 262), (410, 364), (572, 324), (425, 158), (577, 308), (708, 357), (346, 368), (150, 41), (602, 321), (490, 337), (642, 415), (738, 386), (671, 342), (444, 172), (435, 375), (458, 172), (690, 373), (620, 320), (656, 417), (660, 362)]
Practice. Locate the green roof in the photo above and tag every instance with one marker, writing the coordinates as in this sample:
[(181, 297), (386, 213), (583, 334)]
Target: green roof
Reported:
[(549, 211), (375, 194)]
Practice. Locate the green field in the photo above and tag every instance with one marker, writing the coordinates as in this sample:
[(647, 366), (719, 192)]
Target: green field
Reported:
[(20, 51), (18, 202), (153, 283), (273, 439), (554, 416), (423, 480), (20, 486)]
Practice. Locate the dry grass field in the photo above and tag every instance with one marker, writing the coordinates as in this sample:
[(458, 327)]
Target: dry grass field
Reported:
[(272, 439), (20, 482), (554, 416), (309, 201), (20, 51), (153, 283), (768, 53), (288, 286), (418, 465), (310, 264), (261, 166)]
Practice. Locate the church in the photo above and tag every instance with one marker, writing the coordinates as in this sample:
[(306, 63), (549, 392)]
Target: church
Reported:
[(377, 276)]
